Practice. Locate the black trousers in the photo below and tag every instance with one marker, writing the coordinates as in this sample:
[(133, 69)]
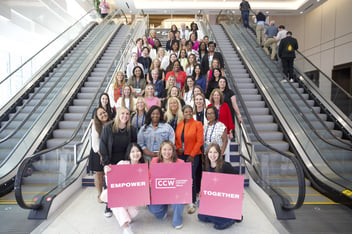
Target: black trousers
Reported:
[(287, 67)]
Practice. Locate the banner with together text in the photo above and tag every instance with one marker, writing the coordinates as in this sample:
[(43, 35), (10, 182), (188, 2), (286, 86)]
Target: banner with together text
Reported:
[(221, 195), (171, 183), (128, 185)]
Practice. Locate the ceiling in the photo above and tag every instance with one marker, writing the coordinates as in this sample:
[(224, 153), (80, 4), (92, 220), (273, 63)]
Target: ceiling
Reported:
[(273, 7)]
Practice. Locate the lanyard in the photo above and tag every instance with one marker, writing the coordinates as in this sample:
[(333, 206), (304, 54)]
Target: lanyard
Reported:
[(211, 133), (137, 121), (178, 78), (175, 122), (218, 110), (200, 116)]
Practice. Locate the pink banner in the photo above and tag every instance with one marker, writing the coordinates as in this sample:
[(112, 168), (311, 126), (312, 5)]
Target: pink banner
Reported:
[(171, 183), (128, 185), (221, 195)]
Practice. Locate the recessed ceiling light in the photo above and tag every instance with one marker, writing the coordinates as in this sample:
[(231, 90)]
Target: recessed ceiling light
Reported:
[(267, 12), (301, 12)]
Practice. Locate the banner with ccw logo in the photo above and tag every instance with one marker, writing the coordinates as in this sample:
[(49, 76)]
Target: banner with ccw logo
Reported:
[(171, 183)]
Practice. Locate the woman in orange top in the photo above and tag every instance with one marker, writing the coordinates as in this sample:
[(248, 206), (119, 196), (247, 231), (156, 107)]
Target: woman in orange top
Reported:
[(188, 141)]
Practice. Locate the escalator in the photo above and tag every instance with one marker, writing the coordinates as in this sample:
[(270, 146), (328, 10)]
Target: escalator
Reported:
[(258, 152), (326, 145), (41, 109), (49, 177), (268, 118), (51, 169)]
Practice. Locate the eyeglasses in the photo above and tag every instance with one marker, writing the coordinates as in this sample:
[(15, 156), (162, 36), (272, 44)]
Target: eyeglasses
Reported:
[(210, 113)]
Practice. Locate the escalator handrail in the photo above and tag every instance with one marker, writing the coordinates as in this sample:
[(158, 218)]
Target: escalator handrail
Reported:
[(298, 166), (18, 194), (46, 46)]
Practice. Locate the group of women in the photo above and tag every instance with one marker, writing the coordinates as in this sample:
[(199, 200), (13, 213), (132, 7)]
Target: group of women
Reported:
[(164, 117)]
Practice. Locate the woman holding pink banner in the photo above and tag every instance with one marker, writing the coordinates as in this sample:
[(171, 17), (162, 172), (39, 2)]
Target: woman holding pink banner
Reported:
[(167, 154), (124, 215), (114, 139), (214, 163), (188, 141)]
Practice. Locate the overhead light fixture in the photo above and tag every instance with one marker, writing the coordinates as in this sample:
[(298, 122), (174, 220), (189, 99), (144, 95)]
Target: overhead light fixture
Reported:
[(267, 12), (301, 12)]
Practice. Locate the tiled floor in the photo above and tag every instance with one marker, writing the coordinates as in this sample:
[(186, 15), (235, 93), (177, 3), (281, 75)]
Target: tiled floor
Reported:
[(84, 215)]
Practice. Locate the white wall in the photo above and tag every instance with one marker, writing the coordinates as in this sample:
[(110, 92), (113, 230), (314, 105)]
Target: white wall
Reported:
[(324, 34)]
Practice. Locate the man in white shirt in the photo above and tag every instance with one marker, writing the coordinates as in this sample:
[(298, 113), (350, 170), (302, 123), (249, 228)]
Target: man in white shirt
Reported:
[(280, 35)]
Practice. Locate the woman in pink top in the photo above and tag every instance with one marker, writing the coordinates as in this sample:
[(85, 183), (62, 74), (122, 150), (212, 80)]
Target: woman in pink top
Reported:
[(124, 215), (150, 98), (104, 8), (152, 37)]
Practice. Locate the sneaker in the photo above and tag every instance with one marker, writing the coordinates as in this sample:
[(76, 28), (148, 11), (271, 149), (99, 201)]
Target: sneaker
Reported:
[(107, 212), (291, 80), (128, 230), (283, 81), (191, 208), (179, 226)]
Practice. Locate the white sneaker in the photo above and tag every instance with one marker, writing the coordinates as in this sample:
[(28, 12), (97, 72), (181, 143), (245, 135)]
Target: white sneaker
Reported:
[(291, 80), (179, 226), (107, 212), (128, 230)]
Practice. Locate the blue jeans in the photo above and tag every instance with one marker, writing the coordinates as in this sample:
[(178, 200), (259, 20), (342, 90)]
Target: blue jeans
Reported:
[(245, 18), (195, 166), (159, 212), (219, 221)]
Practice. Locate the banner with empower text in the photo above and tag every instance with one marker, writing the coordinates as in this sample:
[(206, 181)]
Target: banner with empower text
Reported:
[(171, 183), (221, 195), (128, 185)]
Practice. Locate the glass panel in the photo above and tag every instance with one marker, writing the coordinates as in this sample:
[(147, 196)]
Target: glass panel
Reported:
[(12, 84), (324, 85)]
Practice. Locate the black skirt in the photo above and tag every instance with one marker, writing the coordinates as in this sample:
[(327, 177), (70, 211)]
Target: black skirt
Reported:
[(94, 161)]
